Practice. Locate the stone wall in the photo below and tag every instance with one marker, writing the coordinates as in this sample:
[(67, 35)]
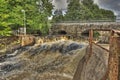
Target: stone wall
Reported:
[(27, 40), (76, 29)]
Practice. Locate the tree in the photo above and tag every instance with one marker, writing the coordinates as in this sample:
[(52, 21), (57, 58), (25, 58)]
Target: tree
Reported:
[(97, 12), (85, 10), (4, 16), (58, 16), (36, 15), (76, 11)]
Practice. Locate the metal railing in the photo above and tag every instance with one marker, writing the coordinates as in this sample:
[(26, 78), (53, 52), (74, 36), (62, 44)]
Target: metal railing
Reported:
[(87, 21), (113, 32), (108, 73)]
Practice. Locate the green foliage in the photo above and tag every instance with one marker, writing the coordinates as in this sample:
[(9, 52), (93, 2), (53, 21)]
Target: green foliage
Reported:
[(77, 11), (85, 11), (97, 12), (4, 16), (36, 15), (96, 34), (58, 16)]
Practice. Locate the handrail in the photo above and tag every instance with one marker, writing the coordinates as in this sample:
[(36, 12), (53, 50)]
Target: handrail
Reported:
[(102, 20), (101, 47), (116, 31)]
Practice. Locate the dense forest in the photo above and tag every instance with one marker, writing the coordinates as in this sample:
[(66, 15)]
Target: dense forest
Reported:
[(34, 14), (84, 10)]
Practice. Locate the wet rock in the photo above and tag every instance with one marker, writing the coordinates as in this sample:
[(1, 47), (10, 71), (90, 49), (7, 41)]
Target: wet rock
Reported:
[(38, 49), (2, 58), (63, 47), (44, 47), (10, 67), (54, 47), (13, 54), (47, 59), (73, 46)]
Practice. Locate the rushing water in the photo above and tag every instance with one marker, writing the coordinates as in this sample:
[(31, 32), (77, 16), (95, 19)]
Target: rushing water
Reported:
[(40, 59)]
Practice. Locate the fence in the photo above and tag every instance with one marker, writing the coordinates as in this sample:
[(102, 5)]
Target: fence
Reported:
[(113, 63)]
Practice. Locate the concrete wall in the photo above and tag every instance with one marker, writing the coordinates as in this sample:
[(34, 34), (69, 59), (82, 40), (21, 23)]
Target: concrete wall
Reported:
[(94, 67), (114, 59)]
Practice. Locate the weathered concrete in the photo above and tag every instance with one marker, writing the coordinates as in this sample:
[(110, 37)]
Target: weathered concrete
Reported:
[(27, 40), (114, 59), (93, 68), (76, 29)]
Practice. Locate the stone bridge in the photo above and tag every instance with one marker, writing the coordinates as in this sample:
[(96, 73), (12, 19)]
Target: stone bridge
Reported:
[(75, 29)]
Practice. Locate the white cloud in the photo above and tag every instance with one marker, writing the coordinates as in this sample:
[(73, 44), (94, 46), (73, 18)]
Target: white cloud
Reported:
[(96, 1), (113, 5), (60, 4)]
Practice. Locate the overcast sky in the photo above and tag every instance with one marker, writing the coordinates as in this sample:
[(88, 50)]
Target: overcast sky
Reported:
[(110, 4), (113, 5), (60, 4)]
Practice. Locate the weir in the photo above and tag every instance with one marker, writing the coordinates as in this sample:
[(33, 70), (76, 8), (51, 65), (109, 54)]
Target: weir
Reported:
[(100, 63)]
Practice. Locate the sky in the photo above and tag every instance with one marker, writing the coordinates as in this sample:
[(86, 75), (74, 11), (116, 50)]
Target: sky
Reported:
[(60, 4), (113, 5)]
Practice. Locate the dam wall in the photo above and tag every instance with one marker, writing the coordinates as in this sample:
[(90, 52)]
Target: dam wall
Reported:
[(94, 67)]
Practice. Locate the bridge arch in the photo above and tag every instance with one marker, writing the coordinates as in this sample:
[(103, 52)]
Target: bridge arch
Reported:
[(85, 33), (62, 32), (75, 29)]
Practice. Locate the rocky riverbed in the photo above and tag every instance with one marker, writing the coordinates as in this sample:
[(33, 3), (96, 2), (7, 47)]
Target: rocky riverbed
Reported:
[(48, 61), (7, 43)]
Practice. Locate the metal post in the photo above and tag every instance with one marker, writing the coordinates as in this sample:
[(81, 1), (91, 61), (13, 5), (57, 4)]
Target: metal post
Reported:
[(90, 40), (76, 32), (24, 21), (113, 63)]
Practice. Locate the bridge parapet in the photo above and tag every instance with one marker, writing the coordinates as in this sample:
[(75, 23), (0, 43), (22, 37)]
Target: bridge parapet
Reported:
[(78, 28)]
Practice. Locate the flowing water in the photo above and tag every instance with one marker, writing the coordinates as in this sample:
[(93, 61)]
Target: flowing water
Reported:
[(48, 61)]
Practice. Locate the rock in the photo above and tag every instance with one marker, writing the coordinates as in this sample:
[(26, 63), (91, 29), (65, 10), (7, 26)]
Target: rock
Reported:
[(73, 46), (48, 57), (10, 67), (63, 47)]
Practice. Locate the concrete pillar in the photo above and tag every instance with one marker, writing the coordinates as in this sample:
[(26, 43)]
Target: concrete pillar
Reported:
[(114, 60)]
